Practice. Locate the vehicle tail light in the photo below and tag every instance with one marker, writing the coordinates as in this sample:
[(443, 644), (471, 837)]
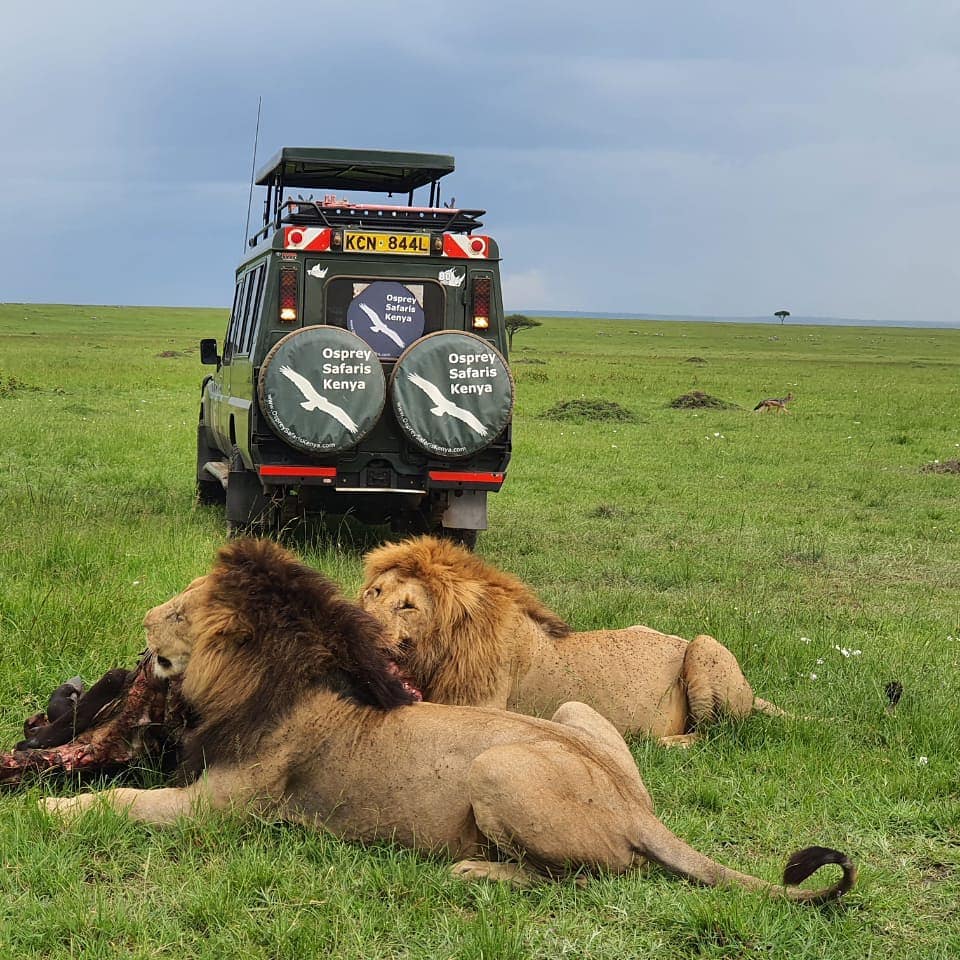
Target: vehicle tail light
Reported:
[(288, 294), (481, 303)]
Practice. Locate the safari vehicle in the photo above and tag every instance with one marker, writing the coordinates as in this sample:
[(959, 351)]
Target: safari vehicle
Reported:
[(364, 368)]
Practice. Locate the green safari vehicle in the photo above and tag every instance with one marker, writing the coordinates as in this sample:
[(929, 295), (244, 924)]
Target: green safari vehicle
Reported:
[(363, 369)]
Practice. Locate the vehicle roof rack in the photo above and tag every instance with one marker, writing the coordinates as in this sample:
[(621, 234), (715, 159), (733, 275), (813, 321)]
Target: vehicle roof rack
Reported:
[(331, 212), (373, 171), (331, 168)]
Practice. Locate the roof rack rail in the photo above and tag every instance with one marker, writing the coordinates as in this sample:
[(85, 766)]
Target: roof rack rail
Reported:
[(376, 171)]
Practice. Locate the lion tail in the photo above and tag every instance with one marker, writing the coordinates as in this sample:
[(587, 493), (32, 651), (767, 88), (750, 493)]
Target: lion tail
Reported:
[(661, 845)]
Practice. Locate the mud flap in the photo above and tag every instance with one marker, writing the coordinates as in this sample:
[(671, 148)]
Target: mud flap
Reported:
[(466, 510)]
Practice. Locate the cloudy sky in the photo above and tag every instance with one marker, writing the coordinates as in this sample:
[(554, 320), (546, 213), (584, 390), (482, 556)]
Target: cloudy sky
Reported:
[(717, 158)]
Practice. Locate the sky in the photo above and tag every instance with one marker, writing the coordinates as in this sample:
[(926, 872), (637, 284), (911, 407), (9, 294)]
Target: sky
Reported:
[(696, 158)]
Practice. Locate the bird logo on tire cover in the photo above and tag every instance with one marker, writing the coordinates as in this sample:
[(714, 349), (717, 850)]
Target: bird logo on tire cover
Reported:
[(314, 401), (378, 326), (447, 407)]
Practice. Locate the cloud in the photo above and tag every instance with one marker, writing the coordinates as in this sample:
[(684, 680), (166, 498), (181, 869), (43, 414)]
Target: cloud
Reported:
[(528, 290), (684, 158)]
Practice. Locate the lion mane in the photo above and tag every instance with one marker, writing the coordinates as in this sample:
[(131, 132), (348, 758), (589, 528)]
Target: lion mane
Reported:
[(475, 609), (267, 633)]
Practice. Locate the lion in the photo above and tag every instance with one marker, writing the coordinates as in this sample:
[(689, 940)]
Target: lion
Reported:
[(469, 634), (302, 718)]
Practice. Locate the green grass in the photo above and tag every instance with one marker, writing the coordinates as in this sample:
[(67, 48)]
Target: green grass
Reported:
[(760, 529)]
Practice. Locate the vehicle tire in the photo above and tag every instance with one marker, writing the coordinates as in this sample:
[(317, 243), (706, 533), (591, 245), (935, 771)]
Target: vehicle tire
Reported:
[(466, 538), (427, 521), (209, 489), (249, 509)]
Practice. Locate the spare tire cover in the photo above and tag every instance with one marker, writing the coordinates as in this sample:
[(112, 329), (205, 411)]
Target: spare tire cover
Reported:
[(322, 389), (452, 393)]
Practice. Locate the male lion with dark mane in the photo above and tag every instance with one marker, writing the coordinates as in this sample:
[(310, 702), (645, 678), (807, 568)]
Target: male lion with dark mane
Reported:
[(467, 633), (303, 718)]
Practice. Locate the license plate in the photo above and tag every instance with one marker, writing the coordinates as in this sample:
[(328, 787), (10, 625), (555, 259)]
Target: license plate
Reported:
[(365, 241)]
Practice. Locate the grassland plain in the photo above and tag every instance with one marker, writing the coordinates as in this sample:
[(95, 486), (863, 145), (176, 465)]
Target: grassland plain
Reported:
[(811, 543)]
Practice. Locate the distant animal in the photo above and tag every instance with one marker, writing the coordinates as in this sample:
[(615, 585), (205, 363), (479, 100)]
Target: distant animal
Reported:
[(468, 633), (445, 406), (774, 403), (301, 718), (314, 401)]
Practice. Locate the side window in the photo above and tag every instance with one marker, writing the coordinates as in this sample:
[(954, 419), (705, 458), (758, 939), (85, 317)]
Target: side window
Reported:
[(236, 317), (252, 311)]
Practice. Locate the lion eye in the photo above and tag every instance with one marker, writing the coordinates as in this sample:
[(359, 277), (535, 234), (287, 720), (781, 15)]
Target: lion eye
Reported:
[(176, 616), (372, 593)]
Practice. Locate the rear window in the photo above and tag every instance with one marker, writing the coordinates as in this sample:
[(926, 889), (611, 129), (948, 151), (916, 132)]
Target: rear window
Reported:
[(388, 314)]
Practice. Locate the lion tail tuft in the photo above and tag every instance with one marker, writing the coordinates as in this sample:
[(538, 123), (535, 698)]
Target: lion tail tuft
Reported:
[(808, 861)]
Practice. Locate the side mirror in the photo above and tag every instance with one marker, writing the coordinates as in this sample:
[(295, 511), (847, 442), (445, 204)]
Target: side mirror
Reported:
[(208, 352)]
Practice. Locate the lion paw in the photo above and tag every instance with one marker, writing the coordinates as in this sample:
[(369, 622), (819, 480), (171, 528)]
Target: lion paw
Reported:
[(66, 808), (511, 873), (681, 741)]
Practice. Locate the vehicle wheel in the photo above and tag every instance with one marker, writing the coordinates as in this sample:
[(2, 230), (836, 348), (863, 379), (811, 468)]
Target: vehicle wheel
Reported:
[(466, 538), (249, 509), (209, 489), (427, 521)]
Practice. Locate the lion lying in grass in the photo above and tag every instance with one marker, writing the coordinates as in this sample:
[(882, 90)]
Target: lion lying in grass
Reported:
[(467, 633), (303, 718)]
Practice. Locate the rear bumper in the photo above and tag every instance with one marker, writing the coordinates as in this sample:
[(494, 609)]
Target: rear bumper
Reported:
[(380, 480)]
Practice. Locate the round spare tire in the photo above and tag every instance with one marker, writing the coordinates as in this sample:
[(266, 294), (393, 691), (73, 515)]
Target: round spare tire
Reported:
[(452, 393), (321, 389)]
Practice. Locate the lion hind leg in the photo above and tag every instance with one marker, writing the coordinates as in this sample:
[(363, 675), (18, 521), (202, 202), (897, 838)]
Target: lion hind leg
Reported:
[(714, 681), (557, 806)]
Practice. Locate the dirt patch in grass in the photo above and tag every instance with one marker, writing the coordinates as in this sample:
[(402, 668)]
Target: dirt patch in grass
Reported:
[(541, 363), (9, 386), (609, 511), (695, 360), (168, 354), (941, 466), (584, 409), (698, 400)]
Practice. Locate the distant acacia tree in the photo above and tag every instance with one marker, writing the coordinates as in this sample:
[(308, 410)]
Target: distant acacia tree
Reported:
[(782, 314), (517, 321)]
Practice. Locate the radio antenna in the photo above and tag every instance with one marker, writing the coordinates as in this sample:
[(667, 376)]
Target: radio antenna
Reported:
[(253, 170)]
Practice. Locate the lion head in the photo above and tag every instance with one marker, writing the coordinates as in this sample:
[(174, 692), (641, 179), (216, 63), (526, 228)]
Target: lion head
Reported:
[(447, 615), (169, 630), (256, 635)]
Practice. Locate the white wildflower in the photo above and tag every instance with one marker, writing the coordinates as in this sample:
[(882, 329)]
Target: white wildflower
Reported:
[(819, 661), (805, 640), (813, 676), (922, 761), (136, 583)]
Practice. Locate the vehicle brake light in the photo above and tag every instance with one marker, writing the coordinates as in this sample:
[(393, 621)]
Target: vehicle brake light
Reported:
[(288, 294), (481, 303)]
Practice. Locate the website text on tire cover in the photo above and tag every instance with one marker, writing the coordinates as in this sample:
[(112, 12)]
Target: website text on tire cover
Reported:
[(363, 368)]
